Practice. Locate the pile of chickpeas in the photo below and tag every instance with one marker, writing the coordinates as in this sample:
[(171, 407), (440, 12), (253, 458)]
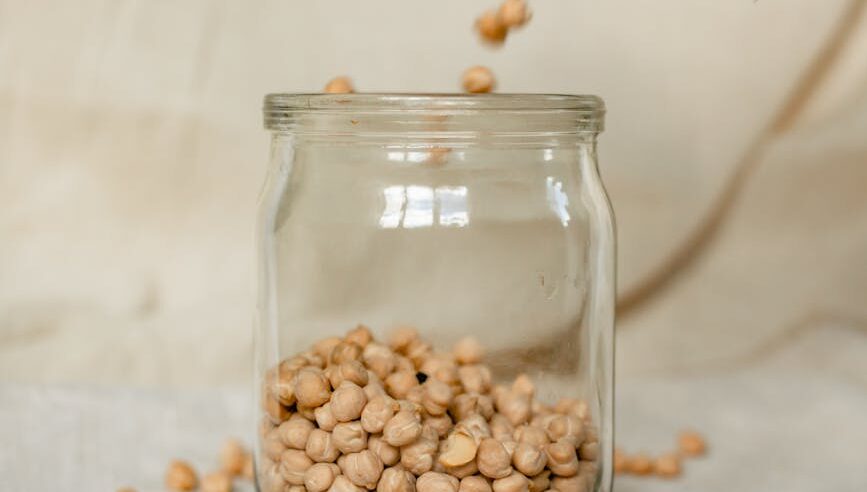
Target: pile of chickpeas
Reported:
[(353, 414)]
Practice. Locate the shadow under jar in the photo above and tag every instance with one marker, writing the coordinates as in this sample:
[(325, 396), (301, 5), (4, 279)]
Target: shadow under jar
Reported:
[(436, 295)]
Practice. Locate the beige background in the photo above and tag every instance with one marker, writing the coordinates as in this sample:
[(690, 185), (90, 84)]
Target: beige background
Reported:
[(131, 152)]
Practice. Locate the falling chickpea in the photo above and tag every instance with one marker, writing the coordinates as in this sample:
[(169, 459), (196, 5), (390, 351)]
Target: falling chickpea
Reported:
[(181, 476), (478, 80), (339, 85), (491, 29), (513, 13), (667, 465), (691, 443), (232, 457), (640, 464), (217, 482)]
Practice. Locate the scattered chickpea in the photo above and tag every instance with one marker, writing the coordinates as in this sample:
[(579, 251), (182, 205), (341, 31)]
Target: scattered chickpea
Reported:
[(515, 482), (562, 459), (436, 482), (295, 431), (691, 443), (529, 459), (490, 28), (320, 447), (468, 350), (514, 13), (349, 437), (293, 464), (474, 483), (363, 468), (396, 479), (478, 80), (311, 387), (640, 465), (232, 457), (181, 476), (493, 459), (339, 85), (388, 454), (325, 417), (402, 429), (343, 484), (217, 482)]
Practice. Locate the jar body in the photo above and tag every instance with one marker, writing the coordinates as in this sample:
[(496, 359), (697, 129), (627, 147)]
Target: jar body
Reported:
[(504, 238)]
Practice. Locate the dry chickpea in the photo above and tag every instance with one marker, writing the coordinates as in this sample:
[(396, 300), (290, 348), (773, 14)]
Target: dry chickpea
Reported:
[(181, 476), (282, 386), (396, 479), (437, 397), (523, 385), (403, 364), (640, 464), (565, 427), (468, 350), (320, 476), (436, 482), (532, 435), (353, 371), (570, 484), (514, 406), (232, 456), (320, 447), (442, 424), (293, 464), (388, 454), (377, 412), (589, 451), (274, 409), (667, 465), (339, 85), (402, 429), (295, 431), (510, 447), (621, 461), (343, 484), (349, 437), (540, 409), (323, 347), (501, 428), (460, 471), (529, 459), (540, 482), (217, 482), (308, 413), (325, 418), (248, 470), (468, 404), (691, 443), (272, 479), (363, 468), (587, 470), (273, 445), (459, 449), (476, 426), (418, 352), (314, 360), (475, 378), (360, 335), (515, 482), (490, 28), (474, 483), (311, 387), (562, 459), (514, 13), (401, 338), (416, 395), (344, 352), (374, 389), (348, 401), (493, 459), (418, 456), (398, 384), (573, 406)]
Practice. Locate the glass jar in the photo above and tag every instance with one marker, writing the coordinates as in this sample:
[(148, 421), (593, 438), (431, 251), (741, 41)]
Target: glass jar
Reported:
[(436, 285)]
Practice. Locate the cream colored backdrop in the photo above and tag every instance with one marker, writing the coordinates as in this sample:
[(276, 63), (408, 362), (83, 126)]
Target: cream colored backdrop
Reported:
[(131, 152)]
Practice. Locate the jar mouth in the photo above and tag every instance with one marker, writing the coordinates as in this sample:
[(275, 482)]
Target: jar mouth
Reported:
[(584, 113)]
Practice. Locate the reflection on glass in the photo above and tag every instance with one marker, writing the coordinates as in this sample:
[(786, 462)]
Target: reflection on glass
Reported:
[(557, 200), (416, 206)]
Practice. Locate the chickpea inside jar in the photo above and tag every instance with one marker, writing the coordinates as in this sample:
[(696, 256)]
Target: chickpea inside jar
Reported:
[(436, 291)]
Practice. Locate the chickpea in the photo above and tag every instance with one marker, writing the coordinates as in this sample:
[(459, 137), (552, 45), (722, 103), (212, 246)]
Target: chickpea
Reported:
[(667, 465), (468, 404), (320, 476), (529, 459), (566, 427), (418, 351), (323, 347), (436, 482), (295, 431), (476, 426), (273, 445), (573, 406), (272, 479), (502, 429), (349, 437), (540, 409), (492, 459), (181, 476), (418, 456), (621, 461), (311, 387), (325, 417), (460, 471), (308, 413), (468, 350), (363, 468), (490, 29), (232, 456), (512, 483), (442, 424), (282, 386), (400, 338), (474, 483), (640, 464), (475, 378), (437, 397), (348, 401), (540, 482), (313, 360), (532, 435), (293, 464), (589, 451), (248, 470), (274, 409), (523, 385), (514, 406), (396, 479), (402, 429), (377, 412), (320, 447), (344, 352), (217, 482), (343, 484), (360, 335), (570, 484), (353, 371), (388, 454), (403, 364), (562, 459), (416, 395), (514, 13), (691, 443), (339, 85), (374, 389), (398, 384)]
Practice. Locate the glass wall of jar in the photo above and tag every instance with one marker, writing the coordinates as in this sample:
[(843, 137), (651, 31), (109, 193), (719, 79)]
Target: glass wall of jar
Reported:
[(436, 294)]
